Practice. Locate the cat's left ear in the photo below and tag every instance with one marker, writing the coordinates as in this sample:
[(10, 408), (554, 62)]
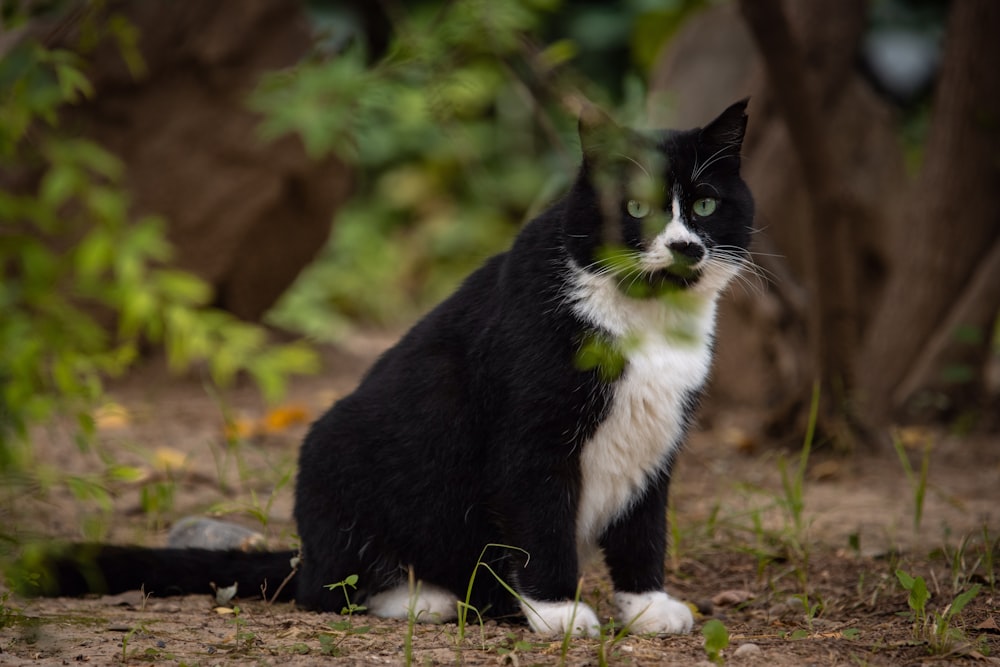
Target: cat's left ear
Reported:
[(728, 129)]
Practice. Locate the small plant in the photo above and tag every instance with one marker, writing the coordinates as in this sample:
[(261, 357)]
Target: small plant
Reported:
[(568, 634), (918, 481), (244, 639), (510, 645), (610, 635), (990, 547), (329, 645), (935, 628), (793, 484), (464, 606), (8, 615), (812, 607), (350, 607), (411, 618), (716, 640), (127, 637)]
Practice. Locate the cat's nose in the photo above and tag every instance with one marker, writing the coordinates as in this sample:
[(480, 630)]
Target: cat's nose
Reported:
[(688, 251)]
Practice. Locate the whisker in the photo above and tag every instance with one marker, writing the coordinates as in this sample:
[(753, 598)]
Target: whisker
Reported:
[(636, 163), (712, 159)]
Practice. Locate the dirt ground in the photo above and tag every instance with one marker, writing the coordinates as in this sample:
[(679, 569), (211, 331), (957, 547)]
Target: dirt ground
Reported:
[(821, 590)]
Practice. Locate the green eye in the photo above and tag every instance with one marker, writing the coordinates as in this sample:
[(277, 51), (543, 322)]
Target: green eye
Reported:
[(637, 209), (705, 207)]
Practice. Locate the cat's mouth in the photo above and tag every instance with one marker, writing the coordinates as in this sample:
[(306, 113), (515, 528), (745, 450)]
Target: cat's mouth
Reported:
[(661, 282)]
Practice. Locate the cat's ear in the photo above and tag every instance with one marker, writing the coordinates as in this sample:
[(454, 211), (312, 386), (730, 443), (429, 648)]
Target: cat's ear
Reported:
[(600, 135), (728, 129)]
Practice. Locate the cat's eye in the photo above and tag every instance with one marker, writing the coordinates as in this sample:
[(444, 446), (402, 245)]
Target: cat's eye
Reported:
[(705, 207), (637, 209)]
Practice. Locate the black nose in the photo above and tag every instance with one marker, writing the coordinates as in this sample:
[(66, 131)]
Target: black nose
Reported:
[(692, 252)]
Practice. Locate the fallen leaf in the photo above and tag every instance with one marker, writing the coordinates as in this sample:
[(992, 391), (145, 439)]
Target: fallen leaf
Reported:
[(914, 437), (168, 459), (825, 470), (282, 418), (111, 417), (740, 439), (989, 625), (240, 429)]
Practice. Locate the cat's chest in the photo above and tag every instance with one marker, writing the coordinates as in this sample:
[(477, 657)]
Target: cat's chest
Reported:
[(644, 424), (668, 346)]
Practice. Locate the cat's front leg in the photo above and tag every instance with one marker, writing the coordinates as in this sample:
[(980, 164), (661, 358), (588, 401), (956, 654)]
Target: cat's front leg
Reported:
[(545, 568), (635, 548), (653, 612)]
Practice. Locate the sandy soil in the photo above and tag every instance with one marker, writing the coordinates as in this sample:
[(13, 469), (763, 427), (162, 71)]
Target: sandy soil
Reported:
[(824, 593)]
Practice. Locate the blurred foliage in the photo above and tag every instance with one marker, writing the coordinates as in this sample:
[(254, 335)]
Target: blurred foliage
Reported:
[(463, 129), (83, 286)]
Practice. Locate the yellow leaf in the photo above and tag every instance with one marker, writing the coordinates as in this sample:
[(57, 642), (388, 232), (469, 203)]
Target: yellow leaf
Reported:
[(914, 437), (169, 459), (111, 417), (284, 417), (240, 429)]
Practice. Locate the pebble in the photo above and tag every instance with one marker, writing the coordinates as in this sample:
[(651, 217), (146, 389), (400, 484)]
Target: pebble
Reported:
[(746, 651), (732, 597), (789, 607)]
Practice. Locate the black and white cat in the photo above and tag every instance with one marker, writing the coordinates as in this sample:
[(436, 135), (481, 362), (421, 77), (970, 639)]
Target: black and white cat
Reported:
[(530, 420)]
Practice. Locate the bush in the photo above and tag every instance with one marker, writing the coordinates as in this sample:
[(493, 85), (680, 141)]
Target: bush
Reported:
[(83, 286)]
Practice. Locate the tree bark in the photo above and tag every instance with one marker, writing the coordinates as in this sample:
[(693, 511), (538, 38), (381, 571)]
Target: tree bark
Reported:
[(951, 221), (833, 314)]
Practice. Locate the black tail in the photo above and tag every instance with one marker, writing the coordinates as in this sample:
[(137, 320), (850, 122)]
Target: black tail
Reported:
[(78, 569)]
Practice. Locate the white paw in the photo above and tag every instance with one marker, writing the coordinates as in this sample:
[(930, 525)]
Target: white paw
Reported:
[(558, 618), (653, 612), (428, 604)]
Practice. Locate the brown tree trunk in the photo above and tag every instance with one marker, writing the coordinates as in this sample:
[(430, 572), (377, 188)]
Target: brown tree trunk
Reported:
[(952, 220), (833, 312), (245, 215)]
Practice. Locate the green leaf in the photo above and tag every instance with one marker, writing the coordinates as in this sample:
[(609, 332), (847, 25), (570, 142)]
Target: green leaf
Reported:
[(604, 355), (73, 83), (959, 603), (716, 638), (182, 287), (127, 474), (84, 489), (59, 184), (92, 256), (918, 591)]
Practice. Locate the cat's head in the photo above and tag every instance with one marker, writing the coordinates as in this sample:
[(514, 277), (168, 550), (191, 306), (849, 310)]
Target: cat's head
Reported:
[(661, 211)]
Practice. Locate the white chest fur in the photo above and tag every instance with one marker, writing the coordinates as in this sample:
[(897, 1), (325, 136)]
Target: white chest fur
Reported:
[(668, 347)]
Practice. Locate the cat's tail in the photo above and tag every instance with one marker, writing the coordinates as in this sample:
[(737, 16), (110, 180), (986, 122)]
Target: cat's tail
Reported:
[(78, 569)]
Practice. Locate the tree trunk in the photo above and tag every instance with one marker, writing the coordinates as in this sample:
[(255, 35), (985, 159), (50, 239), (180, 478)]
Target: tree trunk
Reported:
[(951, 220), (244, 214), (833, 312)]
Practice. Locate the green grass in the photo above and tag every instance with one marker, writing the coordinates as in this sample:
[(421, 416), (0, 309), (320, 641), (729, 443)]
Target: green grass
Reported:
[(917, 479), (936, 628)]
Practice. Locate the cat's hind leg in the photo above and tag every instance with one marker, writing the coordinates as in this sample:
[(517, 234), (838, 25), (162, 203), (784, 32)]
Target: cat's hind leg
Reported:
[(428, 603), (561, 617)]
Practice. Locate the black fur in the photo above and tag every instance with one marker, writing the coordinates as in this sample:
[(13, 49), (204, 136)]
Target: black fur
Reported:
[(469, 431)]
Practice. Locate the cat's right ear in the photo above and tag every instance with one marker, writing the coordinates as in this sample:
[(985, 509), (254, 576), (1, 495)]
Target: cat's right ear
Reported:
[(600, 135), (728, 129)]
